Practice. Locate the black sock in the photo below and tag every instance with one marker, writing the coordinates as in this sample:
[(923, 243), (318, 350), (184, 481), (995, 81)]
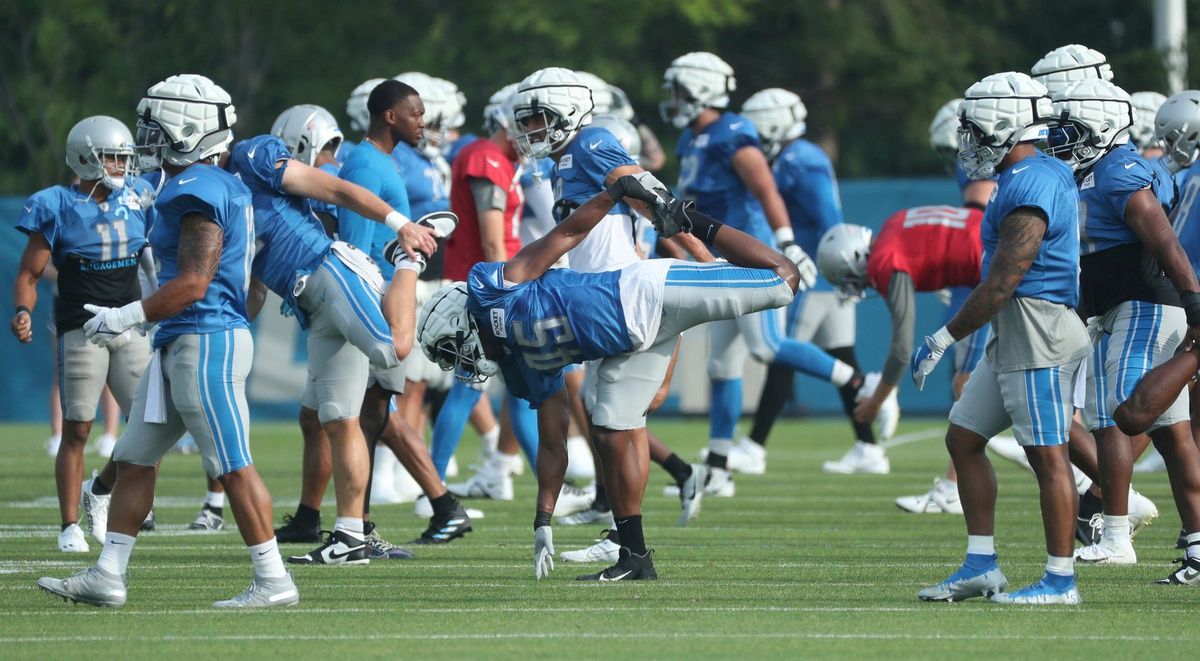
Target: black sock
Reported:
[(716, 460), (444, 505), (307, 516), (99, 488), (368, 527), (600, 504), (435, 398), (219, 511), (614, 537), (66, 525), (776, 392), (848, 392), (678, 468), (630, 531)]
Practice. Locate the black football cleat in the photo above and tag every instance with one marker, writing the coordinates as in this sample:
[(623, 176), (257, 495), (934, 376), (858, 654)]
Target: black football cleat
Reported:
[(629, 567), (446, 529), (338, 549), (1089, 525), (293, 531)]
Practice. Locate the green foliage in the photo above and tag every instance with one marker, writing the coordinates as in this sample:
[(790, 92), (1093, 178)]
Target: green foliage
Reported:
[(872, 72)]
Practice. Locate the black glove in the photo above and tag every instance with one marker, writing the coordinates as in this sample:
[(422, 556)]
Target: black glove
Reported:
[(1191, 306), (641, 186)]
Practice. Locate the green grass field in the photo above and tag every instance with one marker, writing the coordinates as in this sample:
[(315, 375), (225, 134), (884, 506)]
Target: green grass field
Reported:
[(798, 564)]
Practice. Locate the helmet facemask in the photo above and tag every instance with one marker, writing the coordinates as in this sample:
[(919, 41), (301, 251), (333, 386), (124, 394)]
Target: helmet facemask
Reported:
[(539, 131), (112, 164), (977, 157), (1073, 143), (681, 108)]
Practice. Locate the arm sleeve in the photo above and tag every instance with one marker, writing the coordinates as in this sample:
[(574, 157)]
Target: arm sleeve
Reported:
[(902, 303), (487, 194), (353, 228)]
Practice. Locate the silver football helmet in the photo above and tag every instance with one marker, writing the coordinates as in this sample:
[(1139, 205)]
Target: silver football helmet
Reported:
[(943, 133), (449, 337), (306, 130), (778, 115), (94, 143), (497, 114), (842, 258), (185, 119), (356, 105), (1177, 124), (1145, 107)]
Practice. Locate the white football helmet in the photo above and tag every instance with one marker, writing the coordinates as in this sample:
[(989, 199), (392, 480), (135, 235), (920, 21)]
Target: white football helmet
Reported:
[(696, 81), (1069, 64), (356, 105), (456, 108), (778, 115), (1145, 107), (96, 139), (1091, 117), (548, 109), (842, 258), (997, 113), (621, 107), (305, 130), (441, 105), (1177, 124), (602, 96), (625, 133), (449, 337), (185, 119), (497, 114), (943, 132)]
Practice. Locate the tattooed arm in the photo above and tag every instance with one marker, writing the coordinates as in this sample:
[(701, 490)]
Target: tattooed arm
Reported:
[(198, 254), (1020, 237)]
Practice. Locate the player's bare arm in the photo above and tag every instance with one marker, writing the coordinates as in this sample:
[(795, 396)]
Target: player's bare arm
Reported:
[(29, 271), (1020, 237), (752, 168), (316, 184), (536, 258), (201, 242), (1145, 217), (255, 298), (491, 235), (553, 418)]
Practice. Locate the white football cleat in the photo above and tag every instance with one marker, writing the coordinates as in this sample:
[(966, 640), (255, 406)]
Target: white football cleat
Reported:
[(92, 586), (747, 457), (602, 551), (52, 444), (580, 467), (589, 516), (264, 593), (572, 499), (1142, 512), (72, 540), (105, 445), (1008, 447), (943, 497), (95, 508), (862, 458), (719, 484), (691, 493), (1107, 552), (490, 482), (888, 417), (1152, 462)]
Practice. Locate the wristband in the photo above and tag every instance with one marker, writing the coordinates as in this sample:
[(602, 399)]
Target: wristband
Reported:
[(784, 235), (1191, 306), (395, 221), (943, 338), (704, 227), (542, 519), (22, 308)]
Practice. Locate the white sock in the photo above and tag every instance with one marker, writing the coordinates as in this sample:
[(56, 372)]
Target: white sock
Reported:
[(841, 374), (1116, 528), (267, 561), (114, 557), (981, 544), (1193, 545), (1060, 566), (1082, 482), (720, 446), (490, 440), (215, 500), (350, 526)]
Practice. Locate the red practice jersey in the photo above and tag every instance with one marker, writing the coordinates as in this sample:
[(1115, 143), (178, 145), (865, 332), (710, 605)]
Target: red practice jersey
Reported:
[(937, 247), (481, 159)]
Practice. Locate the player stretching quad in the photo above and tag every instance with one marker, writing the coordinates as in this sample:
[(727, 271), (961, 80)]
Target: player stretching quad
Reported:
[(1029, 289), (196, 381), (527, 321), (95, 232)]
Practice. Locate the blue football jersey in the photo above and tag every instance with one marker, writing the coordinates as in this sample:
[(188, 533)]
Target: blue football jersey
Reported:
[(1166, 188), (95, 247), (561, 318), (325, 207), (375, 171), (1103, 195), (221, 197), (344, 150), (580, 171), (805, 178), (1185, 217), (423, 181), (456, 146), (706, 174), (1045, 183), (291, 239)]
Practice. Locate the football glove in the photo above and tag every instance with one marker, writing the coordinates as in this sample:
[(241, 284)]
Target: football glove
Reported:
[(543, 552), (1095, 329), (642, 186), (804, 263), (927, 355), (108, 323)]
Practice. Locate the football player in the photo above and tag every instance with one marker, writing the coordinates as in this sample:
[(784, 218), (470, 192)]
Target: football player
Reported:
[(95, 233), (205, 238), (1028, 292), (528, 321), (722, 168)]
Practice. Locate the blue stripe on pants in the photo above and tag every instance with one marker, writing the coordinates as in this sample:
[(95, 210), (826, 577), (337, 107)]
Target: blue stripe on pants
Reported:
[(363, 300)]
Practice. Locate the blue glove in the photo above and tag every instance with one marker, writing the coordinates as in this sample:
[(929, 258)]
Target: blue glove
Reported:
[(926, 356)]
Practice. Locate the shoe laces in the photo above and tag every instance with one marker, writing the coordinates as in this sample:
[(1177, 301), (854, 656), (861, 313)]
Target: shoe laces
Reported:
[(573, 490), (1097, 520)]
